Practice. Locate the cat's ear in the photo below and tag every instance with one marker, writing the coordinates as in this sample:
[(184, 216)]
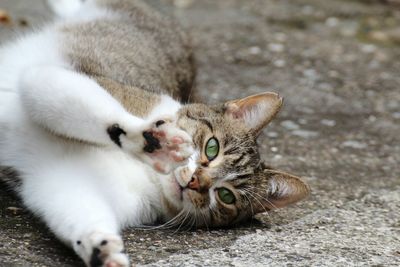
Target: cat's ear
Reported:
[(279, 190), (254, 111)]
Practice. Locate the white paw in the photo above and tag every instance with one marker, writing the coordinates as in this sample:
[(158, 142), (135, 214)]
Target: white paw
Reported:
[(102, 250), (167, 146), (161, 144)]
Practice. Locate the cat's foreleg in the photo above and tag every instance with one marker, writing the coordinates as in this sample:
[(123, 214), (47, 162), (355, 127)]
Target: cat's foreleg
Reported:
[(74, 106), (76, 211)]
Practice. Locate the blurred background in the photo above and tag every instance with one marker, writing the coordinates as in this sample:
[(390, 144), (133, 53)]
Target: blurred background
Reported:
[(337, 65)]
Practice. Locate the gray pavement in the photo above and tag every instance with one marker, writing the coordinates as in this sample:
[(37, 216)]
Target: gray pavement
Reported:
[(337, 65)]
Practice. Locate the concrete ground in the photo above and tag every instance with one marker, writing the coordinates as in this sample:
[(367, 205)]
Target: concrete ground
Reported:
[(337, 64)]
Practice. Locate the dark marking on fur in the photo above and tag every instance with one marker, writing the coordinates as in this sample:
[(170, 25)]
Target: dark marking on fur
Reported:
[(232, 150), (159, 123), (114, 131), (205, 164), (152, 143), (203, 120), (95, 260), (236, 161), (206, 122)]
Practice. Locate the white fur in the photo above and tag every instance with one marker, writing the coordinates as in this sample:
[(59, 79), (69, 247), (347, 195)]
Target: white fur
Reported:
[(280, 188), (65, 8), (256, 114), (71, 104), (167, 107), (77, 189)]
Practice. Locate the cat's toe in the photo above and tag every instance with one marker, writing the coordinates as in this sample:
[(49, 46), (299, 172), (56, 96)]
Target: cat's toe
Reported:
[(181, 154), (117, 260), (177, 156)]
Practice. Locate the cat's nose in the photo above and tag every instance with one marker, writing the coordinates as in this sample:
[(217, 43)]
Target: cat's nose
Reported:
[(199, 182), (194, 183)]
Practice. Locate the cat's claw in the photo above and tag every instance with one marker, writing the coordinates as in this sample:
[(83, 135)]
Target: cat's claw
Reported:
[(102, 250), (167, 146)]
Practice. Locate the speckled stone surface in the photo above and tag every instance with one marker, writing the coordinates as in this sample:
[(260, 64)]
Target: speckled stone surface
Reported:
[(337, 64)]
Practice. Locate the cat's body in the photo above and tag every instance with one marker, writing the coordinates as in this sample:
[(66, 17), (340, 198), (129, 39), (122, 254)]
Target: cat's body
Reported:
[(88, 122)]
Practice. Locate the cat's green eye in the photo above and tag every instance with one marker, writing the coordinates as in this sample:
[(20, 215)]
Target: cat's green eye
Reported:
[(226, 195), (212, 148)]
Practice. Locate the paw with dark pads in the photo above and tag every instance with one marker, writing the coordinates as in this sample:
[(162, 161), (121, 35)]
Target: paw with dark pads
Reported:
[(102, 250), (167, 146)]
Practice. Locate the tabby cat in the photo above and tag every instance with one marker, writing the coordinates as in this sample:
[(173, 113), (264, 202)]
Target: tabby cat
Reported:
[(92, 121)]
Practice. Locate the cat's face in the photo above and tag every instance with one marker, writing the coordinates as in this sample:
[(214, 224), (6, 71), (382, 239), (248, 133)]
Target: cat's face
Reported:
[(225, 181)]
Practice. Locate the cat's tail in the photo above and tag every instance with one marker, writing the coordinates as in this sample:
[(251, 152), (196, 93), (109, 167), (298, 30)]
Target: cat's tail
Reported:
[(65, 8)]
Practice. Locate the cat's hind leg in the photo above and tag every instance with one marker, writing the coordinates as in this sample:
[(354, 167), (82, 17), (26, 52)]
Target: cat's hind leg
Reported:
[(70, 202)]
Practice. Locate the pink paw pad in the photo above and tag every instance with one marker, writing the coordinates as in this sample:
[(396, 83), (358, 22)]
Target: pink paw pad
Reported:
[(177, 140), (159, 134), (160, 167), (176, 156)]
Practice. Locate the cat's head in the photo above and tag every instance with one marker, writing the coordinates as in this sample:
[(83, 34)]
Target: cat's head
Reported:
[(225, 182)]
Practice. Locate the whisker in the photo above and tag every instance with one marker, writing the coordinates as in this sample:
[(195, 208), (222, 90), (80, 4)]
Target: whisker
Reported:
[(190, 227), (169, 224), (255, 197), (195, 218), (212, 210), (190, 222), (248, 199), (183, 221), (267, 200), (204, 219)]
